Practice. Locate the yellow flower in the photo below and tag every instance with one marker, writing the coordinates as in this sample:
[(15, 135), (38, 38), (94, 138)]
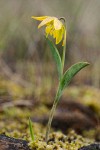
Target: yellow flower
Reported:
[(54, 27)]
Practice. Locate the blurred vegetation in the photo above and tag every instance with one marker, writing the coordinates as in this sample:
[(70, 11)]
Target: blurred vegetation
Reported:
[(24, 54)]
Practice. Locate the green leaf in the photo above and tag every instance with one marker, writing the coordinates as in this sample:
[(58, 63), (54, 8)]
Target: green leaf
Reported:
[(31, 129), (69, 74), (56, 57)]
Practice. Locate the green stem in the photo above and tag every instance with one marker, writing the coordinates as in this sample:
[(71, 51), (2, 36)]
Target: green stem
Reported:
[(50, 120), (52, 114), (58, 92), (64, 50)]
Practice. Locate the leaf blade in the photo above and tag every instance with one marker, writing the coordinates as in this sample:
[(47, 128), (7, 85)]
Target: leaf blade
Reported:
[(31, 129), (69, 74), (56, 56)]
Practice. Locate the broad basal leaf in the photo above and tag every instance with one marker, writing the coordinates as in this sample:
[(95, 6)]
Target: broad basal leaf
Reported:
[(69, 74), (56, 57)]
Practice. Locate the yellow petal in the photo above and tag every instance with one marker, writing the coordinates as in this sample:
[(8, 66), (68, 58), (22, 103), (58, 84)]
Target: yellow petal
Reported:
[(54, 34), (54, 27), (48, 29), (59, 35), (57, 24), (51, 32), (45, 21), (39, 18)]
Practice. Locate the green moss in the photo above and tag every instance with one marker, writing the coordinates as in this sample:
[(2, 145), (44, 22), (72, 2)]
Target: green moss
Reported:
[(92, 133), (14, 123), (14, 120), (15, 91), (86, 95), (58, 141), (17, 126)]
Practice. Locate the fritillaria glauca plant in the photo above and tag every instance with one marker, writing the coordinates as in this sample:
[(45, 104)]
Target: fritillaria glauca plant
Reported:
[(57, 29)]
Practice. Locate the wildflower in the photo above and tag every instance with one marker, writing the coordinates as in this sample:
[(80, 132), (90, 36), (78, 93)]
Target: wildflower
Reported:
[(54, 27)]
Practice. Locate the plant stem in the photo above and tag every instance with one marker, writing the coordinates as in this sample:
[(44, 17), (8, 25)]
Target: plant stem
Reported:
[(58, 92), (64, 50), (52, 113), (50, 120)]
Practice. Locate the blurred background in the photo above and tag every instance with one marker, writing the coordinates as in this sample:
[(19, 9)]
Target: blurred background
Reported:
[(25, 57)]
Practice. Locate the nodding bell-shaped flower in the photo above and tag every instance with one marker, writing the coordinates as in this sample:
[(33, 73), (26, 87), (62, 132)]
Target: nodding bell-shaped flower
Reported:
[(54, 27)]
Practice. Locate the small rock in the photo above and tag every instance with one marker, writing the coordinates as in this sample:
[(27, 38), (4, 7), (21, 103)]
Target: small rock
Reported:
[(91, 147)]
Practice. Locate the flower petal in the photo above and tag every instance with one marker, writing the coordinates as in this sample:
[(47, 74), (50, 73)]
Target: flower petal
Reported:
[(45, 21), (48, 29), (54, 34), (54, 27), (39, 18), (58, 36), (57, 24)]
